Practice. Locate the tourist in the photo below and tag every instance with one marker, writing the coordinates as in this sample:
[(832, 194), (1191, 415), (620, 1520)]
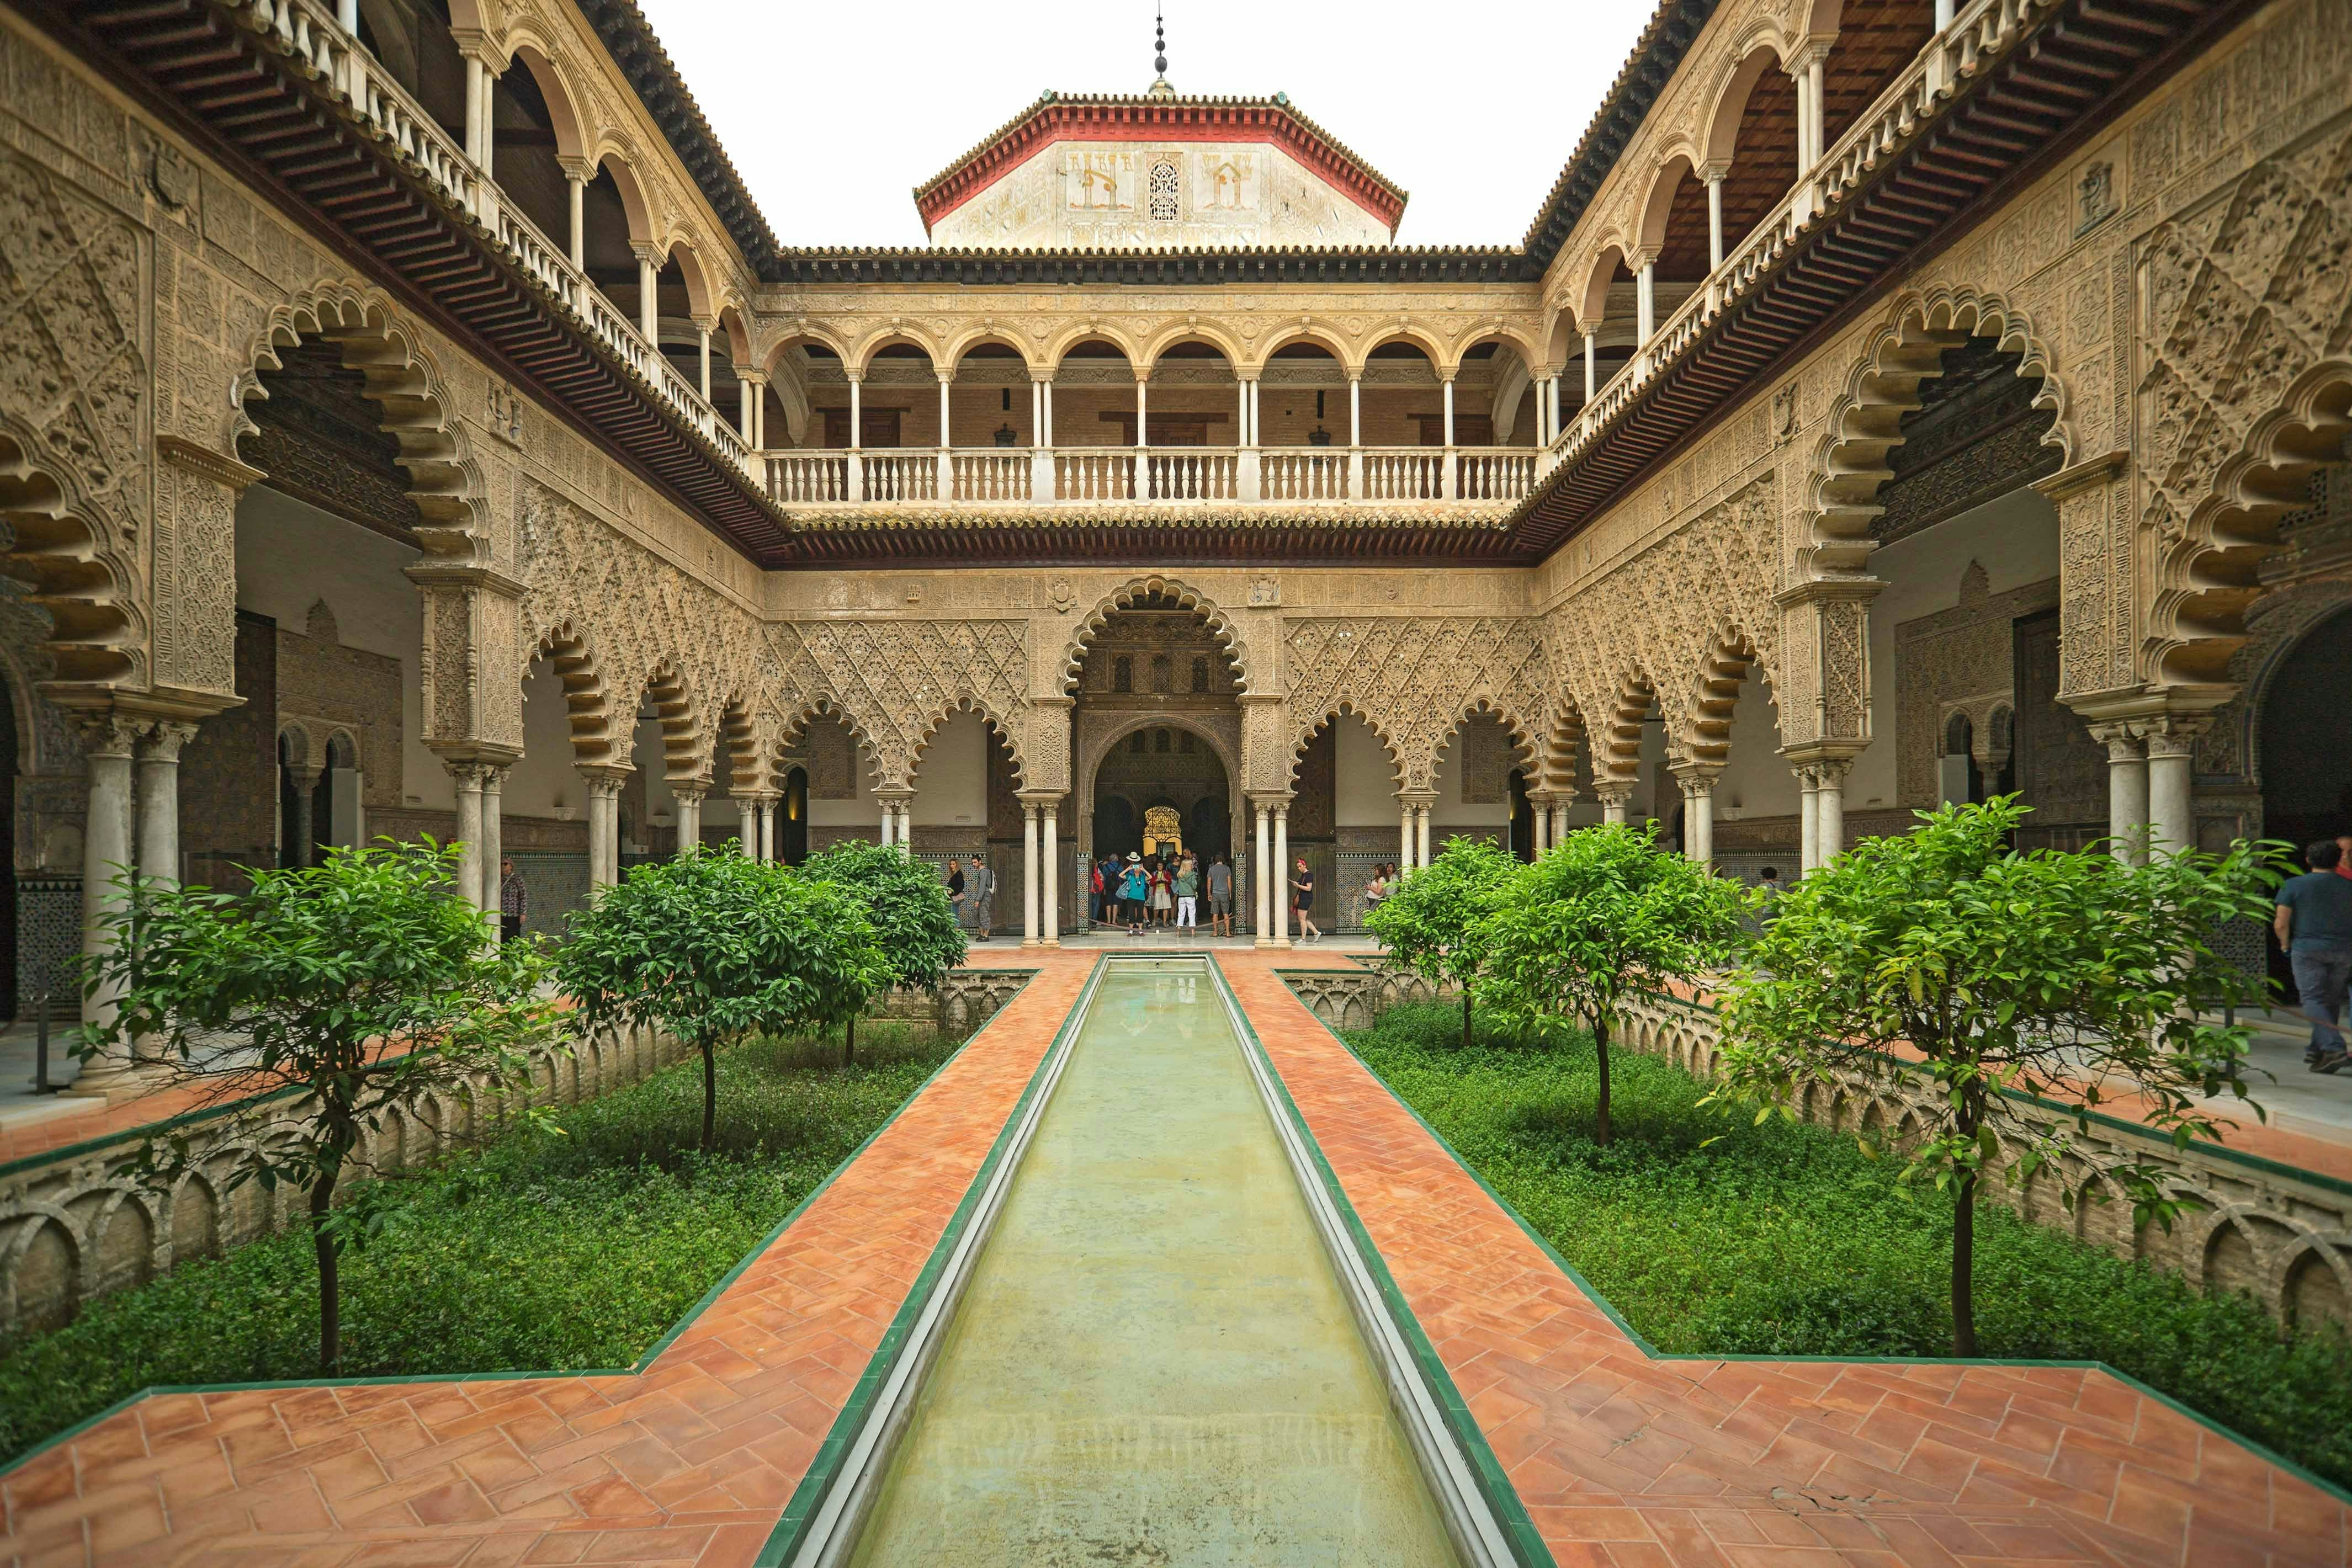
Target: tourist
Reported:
[(2314, 922), (1187, 889), (1375, 891), (1107, 875), (955, 888), (1163, 904), (514, 901), (1302, 899), (981, 885), (1221, 897), (1134, 893)]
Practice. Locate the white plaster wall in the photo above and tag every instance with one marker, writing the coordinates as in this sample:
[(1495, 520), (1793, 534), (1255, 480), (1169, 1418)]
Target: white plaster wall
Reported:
[(1364, 784), (289, 556), (1756, 780), (952, 778), (2016, 539)]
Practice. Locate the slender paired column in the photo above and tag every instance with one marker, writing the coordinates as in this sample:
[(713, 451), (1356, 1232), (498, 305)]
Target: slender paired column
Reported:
[(576, 175), (1029, 874), (857, 442), (303, 851), (1420, 834), (1613, 799), (108, 740), (2171, 782), (2127, 790), (1049, 918), (467, 774), (1698, 812), (1559, 822), (689, 815), (1590, 367), (1282, 873), (1829, 806), (1645, 296), (494, 777), (1539, 831), (702, 326), (1809, 817), (1142, 380), (605, 781), (160, 743), (1264, 889), (1405, 845), (947, 457)]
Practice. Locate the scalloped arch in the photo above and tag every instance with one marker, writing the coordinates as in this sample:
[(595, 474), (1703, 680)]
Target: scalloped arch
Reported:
[(1303, 736), (1865, 422), (570, 649), (1186, 597), (972, 702), (70, 556)]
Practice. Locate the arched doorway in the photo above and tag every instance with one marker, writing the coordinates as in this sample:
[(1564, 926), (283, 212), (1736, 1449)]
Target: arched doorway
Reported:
[(1159, 788), (2306, 789)]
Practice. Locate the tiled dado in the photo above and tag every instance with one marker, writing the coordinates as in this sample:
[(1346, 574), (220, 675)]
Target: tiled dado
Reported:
[(1627, 1458), (690, 1462)]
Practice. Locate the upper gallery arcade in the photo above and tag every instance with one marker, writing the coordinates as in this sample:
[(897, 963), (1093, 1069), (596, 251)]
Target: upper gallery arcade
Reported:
[(412, 424)]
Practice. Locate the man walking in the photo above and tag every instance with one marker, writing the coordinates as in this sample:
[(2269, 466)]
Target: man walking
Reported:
[(1221, 897), (514, 901), (981, 888), (2314, 923)]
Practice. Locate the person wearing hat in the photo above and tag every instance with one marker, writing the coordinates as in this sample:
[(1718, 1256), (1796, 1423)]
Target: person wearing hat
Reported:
[(1134, 888)]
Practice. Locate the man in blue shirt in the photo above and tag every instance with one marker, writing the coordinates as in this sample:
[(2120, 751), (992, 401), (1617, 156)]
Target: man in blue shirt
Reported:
[(2314, 922)]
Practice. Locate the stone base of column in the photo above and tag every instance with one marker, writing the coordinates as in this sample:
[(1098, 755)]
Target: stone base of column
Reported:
[(115, 1082)]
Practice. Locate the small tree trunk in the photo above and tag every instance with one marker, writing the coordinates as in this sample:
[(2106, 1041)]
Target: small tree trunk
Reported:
[(1964, 1243), (709, 1097), (849, 1041), (331, 1301), (1465, 1018), (1601, 1048)]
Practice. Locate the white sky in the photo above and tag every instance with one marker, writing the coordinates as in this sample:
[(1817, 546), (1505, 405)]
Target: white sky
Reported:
[(833, 113)]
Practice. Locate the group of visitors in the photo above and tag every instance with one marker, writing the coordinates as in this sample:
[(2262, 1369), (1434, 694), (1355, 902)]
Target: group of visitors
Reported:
[(2313, 923), (973, 894), (1163, 890)]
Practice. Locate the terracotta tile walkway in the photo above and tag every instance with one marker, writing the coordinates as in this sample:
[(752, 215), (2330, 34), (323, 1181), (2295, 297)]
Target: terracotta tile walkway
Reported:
[(1626, 1461), (690, 1463), (1621, 1460)]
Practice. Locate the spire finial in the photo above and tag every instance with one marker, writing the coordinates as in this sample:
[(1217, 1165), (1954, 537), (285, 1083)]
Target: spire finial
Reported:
[(1160, 88)]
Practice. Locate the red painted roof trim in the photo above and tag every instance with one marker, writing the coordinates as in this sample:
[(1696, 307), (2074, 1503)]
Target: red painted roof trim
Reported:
[(1156, 119)]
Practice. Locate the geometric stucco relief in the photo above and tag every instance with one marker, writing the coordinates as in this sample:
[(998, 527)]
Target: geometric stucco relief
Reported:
[(1414, 677)]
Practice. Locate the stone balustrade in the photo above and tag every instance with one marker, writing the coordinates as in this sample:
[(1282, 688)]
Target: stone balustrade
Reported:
[(1489, 479)]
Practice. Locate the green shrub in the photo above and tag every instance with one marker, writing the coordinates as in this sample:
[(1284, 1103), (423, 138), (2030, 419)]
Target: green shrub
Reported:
[(1784, 1240), (530, 1254)]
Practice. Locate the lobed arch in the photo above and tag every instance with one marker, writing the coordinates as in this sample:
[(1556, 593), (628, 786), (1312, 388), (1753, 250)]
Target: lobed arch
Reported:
[(827, 707), (72, 558), (1184, 597), (1303, 736), (445, 481), (972, 702), (2206, 565), (750, 764), (1866, 419), (1564, 736), (681, 727), (1617, 753), (1724, 663), (1525, 751), (587, 708)]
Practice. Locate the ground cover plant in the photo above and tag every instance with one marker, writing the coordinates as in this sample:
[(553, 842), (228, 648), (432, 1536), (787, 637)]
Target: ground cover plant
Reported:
[(1782, 1238), (538, 1252)]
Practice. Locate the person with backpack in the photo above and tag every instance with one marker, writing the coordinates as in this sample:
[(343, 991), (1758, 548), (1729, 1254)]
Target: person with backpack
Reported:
[(1134, 893)]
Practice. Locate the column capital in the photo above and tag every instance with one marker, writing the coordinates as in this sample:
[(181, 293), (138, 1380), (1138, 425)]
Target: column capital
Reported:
[(1269, 799), (1813, 51), (2175, 735), (2124, 739), (1543, 800), (646, 250), (576, 169), (1614, 795), (691, 794), (160, 739), (1692, 770), (1041, 796), (705, 323), (1714, 169), (1419, 799), (605, 781)]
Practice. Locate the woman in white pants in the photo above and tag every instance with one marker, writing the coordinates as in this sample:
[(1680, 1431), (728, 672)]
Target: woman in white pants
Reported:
[(1188, 893)]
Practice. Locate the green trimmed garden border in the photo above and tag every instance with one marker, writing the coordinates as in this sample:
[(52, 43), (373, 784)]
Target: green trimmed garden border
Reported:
[(2339, 1493), (684, 1321)]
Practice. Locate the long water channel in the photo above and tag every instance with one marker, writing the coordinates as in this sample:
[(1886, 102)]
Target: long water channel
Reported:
[(1153, 1362)]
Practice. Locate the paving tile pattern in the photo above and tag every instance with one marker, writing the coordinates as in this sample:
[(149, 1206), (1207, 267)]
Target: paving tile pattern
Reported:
[(1627, 1460), (689, 1463)]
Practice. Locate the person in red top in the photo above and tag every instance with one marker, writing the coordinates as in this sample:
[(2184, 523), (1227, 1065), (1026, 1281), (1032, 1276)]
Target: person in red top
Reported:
[(2344, 860)]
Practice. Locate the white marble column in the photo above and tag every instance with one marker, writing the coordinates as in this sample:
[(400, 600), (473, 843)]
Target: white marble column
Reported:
[(1809, 817), (1591, 368), (604, 781), (108, 741), (1714, 175), (576, 175), (1262, 907), (1049, 917), (1029, 874), (649, 293), (160, 744), (1613, 799), (1646, 297), (1539, 830), (1404, 844), (689, 815), (1420, 834), (1829, 806), (1282, 873), (2171, 783), (467, 776), (1559, 824), (493, 841), (702, 324), (1698, 814), (2127, 791)]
